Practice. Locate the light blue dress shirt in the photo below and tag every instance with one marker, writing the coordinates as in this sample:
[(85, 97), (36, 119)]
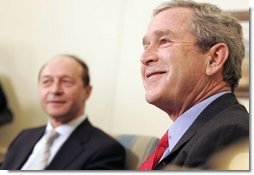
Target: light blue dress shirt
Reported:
[(184, 121)]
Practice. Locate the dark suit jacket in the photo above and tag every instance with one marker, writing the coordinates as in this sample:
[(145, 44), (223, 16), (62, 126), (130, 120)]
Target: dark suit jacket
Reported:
[(222, 123), (87, 148)]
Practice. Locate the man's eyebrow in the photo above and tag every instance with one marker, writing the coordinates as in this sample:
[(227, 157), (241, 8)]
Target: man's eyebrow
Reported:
[(45, 76), (160, 33), (166, 32)]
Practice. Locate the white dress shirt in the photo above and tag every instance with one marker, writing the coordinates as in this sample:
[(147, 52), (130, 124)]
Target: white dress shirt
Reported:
[(64, 132)]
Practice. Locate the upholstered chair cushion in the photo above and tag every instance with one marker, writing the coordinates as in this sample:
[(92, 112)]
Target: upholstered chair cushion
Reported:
[(138, 148)]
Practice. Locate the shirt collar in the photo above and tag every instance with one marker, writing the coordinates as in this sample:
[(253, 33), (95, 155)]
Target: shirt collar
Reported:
[(67, 128), (184, 121)]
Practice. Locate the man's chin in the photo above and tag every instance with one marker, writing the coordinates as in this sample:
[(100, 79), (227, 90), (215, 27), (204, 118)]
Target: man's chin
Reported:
[(56, 115), (150, 98)]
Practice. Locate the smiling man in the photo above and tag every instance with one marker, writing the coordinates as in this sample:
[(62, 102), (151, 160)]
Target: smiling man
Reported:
[(190, 66), (75, 144)]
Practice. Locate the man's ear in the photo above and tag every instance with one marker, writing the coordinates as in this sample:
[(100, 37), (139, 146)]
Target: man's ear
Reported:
[(218, 54), (88, 91)]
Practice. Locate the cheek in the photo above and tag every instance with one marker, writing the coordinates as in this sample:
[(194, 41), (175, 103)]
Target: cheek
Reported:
[(179, 72), (142, 71), (43, 94), (165, 54), (78, 95), (168, 58)]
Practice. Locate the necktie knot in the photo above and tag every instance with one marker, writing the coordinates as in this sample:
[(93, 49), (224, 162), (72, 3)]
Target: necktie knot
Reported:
[(51, 136), (164, 141)]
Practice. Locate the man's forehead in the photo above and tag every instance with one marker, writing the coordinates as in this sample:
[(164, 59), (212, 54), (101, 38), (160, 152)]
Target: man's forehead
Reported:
[(61, 66), (172, 16)]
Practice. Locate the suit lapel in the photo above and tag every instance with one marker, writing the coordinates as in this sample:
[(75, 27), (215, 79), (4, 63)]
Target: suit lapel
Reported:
[(27, 149), (209, 112), (72, 147)]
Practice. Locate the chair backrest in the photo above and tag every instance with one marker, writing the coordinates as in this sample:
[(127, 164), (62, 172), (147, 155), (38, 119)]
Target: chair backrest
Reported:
[(137, 147)]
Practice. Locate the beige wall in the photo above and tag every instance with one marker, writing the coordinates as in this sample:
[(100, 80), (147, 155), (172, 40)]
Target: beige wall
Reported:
[(107, 34)]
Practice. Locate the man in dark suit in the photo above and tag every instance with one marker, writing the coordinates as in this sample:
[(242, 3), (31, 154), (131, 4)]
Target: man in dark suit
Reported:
[(76, 145), (5, 112), (190, 66)]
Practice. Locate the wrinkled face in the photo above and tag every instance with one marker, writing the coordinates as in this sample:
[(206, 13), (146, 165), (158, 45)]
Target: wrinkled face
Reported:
[(171, 65), (62, 93)]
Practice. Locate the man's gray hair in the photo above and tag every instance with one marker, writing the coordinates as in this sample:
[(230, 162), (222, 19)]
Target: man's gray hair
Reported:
[(211, 26)]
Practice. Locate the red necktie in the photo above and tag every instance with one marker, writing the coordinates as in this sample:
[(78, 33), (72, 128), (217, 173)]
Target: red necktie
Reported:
[(153, 160)]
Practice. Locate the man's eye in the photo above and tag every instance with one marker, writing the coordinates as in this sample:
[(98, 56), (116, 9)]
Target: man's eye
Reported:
[(68, 82), (165, 41), (145, 45), (46, 82)]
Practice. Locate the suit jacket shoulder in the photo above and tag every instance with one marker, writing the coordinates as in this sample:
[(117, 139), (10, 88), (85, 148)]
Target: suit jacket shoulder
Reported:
[(222, 123), (87, 148), (21, 147)]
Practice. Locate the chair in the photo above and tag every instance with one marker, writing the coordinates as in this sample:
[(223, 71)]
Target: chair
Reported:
[(137, 147)]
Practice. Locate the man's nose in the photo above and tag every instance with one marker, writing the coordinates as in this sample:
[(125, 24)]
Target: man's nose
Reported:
[(149, 55), (56, 88)]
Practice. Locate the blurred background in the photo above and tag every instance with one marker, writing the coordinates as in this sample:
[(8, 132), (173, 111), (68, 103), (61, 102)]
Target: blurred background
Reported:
[(107, 34)]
